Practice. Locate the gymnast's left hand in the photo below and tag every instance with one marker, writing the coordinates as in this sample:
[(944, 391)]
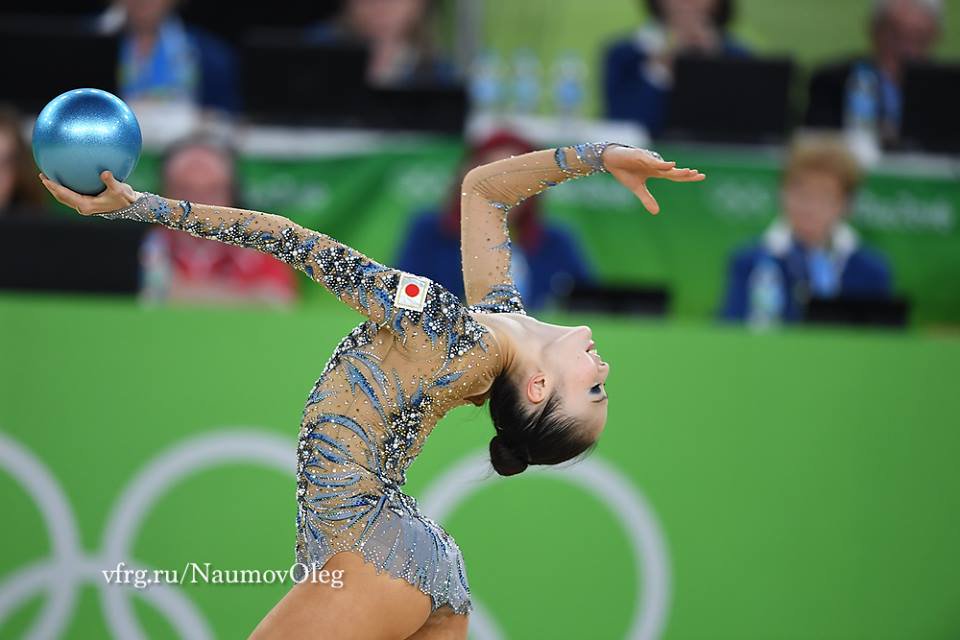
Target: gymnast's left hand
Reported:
[(633, 167), (117, 195)]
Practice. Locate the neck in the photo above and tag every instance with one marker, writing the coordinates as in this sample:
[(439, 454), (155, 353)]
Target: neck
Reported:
[(507, 335), (513, 333), (144, 41), (889, 64), (809, 244), (814, 242)]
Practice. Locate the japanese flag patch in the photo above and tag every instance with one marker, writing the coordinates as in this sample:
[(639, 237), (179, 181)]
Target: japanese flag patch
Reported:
[(411, 292)]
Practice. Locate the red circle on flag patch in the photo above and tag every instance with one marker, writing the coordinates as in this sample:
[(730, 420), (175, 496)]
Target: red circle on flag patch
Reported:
[(412, 290)]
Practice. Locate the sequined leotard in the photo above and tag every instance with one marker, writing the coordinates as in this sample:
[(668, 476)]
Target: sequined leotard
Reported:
[(397, 373)]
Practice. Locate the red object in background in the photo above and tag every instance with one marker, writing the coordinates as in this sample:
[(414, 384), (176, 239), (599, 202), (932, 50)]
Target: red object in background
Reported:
[(236, 272)]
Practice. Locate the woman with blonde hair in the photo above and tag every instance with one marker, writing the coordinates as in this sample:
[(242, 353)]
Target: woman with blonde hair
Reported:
[(810, 250)]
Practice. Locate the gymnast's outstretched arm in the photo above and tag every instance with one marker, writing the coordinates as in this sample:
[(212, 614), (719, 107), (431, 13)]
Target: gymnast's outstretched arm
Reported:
[(492, 190), (363, 284)]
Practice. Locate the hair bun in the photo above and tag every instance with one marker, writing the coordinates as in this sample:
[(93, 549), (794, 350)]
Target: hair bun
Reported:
[(504, 460)]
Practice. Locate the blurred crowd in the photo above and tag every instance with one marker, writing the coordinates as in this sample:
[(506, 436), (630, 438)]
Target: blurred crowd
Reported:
[(810, 251), (638, 70)]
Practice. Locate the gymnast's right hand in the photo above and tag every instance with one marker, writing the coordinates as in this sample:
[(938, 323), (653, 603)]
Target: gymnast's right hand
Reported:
[(117, 196), (633, 167)]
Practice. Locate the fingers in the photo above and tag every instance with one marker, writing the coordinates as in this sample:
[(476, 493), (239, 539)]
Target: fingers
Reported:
[(650, 162), (60, 193), (82, 204), (649, 202), (109, 181), (114, 188), (683, 175)]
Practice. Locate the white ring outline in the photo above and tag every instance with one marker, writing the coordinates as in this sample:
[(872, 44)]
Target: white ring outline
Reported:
[(611, 488), (62, 572)]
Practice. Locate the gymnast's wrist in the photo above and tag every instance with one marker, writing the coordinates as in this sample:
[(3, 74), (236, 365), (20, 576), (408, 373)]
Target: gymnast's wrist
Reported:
[(588, 158), (608, 147), (136, 207), (628, 157)]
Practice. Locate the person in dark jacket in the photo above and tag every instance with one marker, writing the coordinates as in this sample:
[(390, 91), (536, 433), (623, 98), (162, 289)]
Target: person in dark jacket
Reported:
[(810, 251), (164, 59), (638, 70), (546, 260), (901, 31)]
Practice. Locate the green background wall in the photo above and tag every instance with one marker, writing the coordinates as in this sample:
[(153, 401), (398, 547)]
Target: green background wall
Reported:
[(805, 483)]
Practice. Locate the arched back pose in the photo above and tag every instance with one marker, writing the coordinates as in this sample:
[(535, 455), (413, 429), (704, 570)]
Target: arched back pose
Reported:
[(419, 353)]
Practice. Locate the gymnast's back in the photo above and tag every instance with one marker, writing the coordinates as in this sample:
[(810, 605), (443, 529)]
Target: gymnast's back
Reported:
[(420, 352), (366, 419), (388, 383)]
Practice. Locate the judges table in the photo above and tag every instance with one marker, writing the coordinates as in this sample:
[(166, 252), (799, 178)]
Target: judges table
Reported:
[(363, 188), (785, 484)]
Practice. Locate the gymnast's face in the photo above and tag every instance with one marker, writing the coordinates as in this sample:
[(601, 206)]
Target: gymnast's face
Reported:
[(571, 366)]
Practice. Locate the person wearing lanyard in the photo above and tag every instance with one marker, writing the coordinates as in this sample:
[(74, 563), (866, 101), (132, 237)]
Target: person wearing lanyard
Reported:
[(810, 250), (163, 59)]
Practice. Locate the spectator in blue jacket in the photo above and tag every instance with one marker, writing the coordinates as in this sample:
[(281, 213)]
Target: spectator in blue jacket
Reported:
[(901, 32), (546, 261), (163, 59), (638, 70), (810, 250)]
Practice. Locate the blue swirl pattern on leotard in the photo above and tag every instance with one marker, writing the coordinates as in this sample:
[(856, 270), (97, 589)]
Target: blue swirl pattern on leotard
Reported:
[(351, 463), (365, 420)]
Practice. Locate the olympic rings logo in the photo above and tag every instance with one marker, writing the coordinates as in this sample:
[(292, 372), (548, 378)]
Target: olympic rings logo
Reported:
[(62, 574)]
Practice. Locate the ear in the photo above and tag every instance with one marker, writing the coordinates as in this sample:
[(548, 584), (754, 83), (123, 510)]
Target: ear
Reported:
[(536, 388)]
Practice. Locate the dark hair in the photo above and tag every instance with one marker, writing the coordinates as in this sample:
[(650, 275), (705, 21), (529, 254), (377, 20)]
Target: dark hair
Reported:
[(27, 190), (523, 438), (722, 12)]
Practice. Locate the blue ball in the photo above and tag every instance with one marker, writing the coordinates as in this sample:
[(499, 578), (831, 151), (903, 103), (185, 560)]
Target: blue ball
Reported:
[(83, 132)]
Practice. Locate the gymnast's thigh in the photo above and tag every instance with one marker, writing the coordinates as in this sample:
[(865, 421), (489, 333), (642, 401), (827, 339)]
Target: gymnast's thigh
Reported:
[(443, 624), (367, 607)]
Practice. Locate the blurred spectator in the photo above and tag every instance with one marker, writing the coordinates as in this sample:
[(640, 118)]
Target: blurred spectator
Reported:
[(638, 70), (901, 31), (398, 34), (810, 251), (20, 190), (547, 258), (164, 60), (181, 267)]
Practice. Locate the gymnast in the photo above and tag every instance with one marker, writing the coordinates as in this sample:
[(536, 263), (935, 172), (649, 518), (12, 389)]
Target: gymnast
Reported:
[(419, 353)]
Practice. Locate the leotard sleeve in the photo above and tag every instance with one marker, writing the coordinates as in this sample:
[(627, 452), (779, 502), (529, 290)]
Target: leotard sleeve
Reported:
[(489, 193), (362, 283)]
